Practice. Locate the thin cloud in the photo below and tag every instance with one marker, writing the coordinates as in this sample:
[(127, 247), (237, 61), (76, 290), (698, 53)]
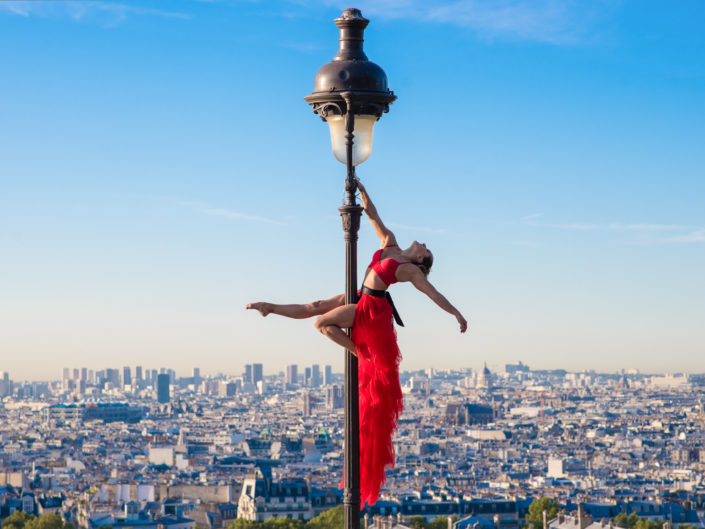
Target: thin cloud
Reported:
[(107, 13), (534, 220), (647, 231), (416, 228), (531, 219), (617, 226), (206, 209), (527, 244), (695, 236), (547, 21), (558, 22), (303, 47)]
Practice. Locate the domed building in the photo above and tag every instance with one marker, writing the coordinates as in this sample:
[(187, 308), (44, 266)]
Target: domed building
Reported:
[(484, 379)]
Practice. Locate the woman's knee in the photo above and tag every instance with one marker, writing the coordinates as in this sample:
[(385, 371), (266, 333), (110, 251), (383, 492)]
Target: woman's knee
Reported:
[(320, 325)]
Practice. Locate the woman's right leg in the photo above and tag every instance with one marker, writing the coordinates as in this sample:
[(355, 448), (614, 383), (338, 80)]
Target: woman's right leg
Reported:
[(332, 323), (315, 308)]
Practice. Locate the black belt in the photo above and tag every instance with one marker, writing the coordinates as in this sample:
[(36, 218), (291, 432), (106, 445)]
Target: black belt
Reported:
[(383, 294)]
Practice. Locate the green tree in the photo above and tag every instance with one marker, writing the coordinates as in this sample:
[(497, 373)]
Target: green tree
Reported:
[(534, 518), (645, 523), (17, 520), (282, 523), (633, 521), (417, 522), (439, 522), (242, 523), (331, 519), (46, 521)]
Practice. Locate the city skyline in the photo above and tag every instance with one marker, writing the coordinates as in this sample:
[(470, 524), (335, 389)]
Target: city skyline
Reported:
[(284, 372), (160, 169)]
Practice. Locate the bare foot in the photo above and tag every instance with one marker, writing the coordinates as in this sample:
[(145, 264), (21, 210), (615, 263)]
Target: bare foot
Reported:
[(261, 307)]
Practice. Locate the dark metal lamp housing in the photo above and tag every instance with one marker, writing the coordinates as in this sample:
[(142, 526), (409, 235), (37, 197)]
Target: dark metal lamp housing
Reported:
[(351, 85)]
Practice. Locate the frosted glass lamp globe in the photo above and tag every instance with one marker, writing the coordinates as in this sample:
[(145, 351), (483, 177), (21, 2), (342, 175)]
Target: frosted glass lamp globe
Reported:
[(362, 137)]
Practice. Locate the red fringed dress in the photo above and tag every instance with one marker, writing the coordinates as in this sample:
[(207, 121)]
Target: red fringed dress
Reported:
[(378, 381)]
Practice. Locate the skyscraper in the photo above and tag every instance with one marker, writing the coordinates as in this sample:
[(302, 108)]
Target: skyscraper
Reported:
[(248, 374), (138, 373), (292, 375), (328, 377), (335, 397), (196, 374), (113, 376), (126, 376), (163, 396), (257, 373), (5, 384), (66, 379), (227, 389), (307, 406), (316, 378), (307, 376)]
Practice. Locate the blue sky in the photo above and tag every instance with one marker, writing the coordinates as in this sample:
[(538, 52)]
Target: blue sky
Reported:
[(159, 169)]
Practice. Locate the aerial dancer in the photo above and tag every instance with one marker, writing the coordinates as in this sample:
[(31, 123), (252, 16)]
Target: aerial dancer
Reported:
[(374, 341)]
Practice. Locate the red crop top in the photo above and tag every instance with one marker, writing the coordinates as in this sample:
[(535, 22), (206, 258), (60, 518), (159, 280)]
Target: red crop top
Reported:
[(386, 269)]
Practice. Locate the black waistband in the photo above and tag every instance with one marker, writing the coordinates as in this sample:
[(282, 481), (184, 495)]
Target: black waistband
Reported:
[(383, 294), (373, 292)]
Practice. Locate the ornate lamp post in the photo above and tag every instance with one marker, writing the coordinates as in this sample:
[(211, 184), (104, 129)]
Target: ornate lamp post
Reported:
[(351, 94)]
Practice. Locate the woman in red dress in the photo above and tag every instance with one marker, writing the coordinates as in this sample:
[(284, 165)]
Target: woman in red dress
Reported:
[(374, 341)]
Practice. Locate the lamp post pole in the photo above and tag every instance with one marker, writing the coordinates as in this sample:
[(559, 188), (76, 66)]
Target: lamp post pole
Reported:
[(351, 94), (351, 213)]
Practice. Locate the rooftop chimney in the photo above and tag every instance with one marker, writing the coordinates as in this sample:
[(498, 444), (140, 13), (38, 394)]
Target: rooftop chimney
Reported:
[(583, 519), (580, 516)]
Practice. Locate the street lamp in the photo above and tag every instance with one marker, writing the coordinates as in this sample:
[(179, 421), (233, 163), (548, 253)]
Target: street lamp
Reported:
[(351, 94)]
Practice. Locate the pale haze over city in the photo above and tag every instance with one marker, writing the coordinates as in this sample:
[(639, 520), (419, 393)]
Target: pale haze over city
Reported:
[(159, 169)]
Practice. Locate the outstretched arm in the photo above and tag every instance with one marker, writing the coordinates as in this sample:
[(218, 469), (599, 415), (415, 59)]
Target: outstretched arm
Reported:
[(384, 234), (418, 279)]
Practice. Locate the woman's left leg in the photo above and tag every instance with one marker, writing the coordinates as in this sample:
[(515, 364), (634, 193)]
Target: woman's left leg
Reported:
[(332, 323)]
